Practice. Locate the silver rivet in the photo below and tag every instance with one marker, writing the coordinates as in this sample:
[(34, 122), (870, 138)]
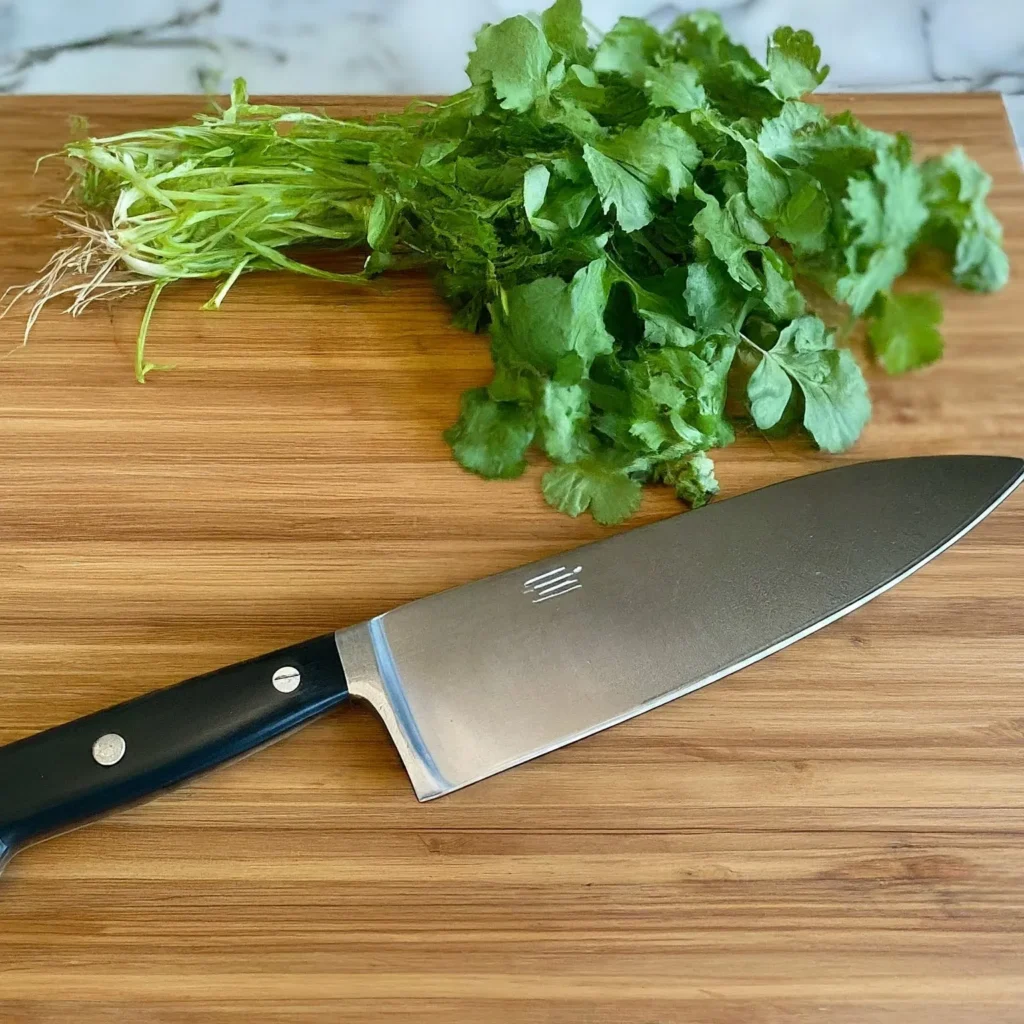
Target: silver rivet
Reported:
[(287, 679), (109, 749)]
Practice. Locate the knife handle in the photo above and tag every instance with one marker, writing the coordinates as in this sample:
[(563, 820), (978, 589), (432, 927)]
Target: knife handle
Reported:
[(68, 775)]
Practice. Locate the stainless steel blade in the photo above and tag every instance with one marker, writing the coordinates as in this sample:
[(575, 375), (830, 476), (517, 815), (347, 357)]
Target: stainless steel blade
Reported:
[(483, 677)]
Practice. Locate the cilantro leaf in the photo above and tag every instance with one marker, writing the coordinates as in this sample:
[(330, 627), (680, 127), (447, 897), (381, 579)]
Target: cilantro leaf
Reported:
[(513, 56), (769, 390), (905, 334), (660, 304), (535, 190), (804, 220), (836, 403), (665, 329), (619, 187), (793, 62), (675, 86), (540, 323), (728, 242), (713, 299), (600, 484), (731, 77), (588, 298), (554, 212), (491, 438), (959, 220), (786, 135), (563, 26), (767, 183), (659, 153), (564, 422), (693, 478), (886, 213), (781, 296), (858, 288), (628, 49)]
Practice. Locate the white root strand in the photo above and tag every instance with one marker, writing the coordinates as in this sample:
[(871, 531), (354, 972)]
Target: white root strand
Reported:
[(89, 269)]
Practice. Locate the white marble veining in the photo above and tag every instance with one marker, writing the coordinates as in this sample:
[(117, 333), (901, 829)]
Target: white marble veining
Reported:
[(419, 46)]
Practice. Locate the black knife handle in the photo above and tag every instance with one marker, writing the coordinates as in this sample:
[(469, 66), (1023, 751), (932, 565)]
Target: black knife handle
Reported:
[(68, 775)]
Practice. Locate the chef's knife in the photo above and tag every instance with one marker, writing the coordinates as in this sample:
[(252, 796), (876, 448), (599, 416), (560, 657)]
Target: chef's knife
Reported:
[(483, 677)]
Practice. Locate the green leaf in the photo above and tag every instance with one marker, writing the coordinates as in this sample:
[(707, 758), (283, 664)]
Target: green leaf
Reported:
[(676, 87), (659, 153), (513, 384), (804, 219), (769, 390), (793, 201), (563, 26), (529, 328), (719, 227), (960, 222), (732, 79), (981, 264), (785, 136), (588, 80), (664, 329), (588, 298), (903, 206), (677, 396), (832, 149), (660, 304), (859, 288), (490, 438), (600, 484), (782, 296), (579, 121), (628, 49), (380, 225), (554, 212), (836, 403), (564, 422), (535, 190), (767, 183), (541, 322), (793, 64), (905, 334), (513, 56), (693, 478), (714, 301), (886, 214), (619, 187), (747, 224)]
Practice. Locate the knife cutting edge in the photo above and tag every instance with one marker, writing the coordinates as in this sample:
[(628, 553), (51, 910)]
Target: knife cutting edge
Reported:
[(483, 677)]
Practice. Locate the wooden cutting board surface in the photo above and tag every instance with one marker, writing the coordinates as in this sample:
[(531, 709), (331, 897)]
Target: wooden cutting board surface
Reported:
[(835, 834)]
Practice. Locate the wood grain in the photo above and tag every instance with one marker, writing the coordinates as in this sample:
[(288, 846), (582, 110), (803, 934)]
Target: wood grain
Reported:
[(833, 834)]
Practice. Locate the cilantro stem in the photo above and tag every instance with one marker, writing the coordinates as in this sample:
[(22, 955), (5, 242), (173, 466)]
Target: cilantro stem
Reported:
[(142, 367), (664, 263), (753, 344)]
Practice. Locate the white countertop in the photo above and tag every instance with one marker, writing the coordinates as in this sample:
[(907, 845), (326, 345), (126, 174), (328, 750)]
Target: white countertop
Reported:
[(419, 46)]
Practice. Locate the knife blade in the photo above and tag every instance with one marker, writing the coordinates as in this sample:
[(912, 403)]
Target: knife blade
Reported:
[(475, 680)]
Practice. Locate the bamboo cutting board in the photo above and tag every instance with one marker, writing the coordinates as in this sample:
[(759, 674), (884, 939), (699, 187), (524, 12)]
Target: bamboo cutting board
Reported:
[(836, 833)]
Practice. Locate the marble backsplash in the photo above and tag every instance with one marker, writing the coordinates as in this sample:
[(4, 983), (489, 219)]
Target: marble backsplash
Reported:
[(419, 46)]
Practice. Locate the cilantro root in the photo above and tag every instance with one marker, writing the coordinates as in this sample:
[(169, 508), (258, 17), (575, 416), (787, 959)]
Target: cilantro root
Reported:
[(633, 219)]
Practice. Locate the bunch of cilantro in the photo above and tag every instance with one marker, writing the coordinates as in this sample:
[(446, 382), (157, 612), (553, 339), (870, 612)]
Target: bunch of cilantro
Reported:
[(635, 221)]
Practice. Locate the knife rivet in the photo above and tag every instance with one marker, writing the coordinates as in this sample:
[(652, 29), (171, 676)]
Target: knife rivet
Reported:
[(287, 679), (108, 749)]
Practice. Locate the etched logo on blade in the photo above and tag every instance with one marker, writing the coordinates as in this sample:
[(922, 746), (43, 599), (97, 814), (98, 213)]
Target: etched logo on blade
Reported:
[(554, 583)]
